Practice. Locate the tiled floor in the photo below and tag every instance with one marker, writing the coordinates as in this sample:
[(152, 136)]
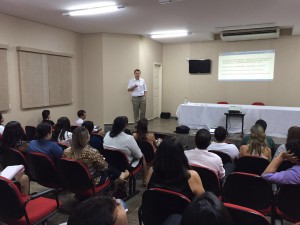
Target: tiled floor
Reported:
[(167, 126)]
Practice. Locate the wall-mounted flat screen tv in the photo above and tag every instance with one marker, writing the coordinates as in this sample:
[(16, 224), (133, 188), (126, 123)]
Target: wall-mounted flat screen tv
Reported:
[(199, 66)]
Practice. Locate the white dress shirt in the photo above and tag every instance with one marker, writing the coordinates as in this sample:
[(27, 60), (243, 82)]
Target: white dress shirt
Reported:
[(140, 89)]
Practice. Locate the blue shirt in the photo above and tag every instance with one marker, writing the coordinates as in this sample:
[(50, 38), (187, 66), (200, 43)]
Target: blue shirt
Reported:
[(49, 148)]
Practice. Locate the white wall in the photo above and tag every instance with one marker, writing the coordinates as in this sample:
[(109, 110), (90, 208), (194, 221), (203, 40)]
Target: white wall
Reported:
[(178, 83), (20, 32)]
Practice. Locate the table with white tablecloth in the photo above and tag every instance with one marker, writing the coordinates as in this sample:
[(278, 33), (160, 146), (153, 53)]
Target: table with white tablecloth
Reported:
[(206, 115)]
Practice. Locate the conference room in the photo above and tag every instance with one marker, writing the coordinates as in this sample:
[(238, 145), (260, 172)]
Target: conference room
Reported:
[(102, 51)]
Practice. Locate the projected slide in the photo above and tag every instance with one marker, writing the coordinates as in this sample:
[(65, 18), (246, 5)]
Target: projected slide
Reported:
[(246, 66)]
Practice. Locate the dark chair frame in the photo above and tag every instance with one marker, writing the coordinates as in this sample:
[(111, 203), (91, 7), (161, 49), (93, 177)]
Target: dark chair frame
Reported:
[(248, 190), (147, 150), (209, 178), (287, 203), (30, 132), (43, 170), (251, 164), (75, 177), (158, 204), (118, 160), (245, 216)]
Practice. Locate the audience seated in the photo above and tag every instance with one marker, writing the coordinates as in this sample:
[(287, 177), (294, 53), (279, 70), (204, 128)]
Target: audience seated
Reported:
[(256, 145), (46, 117), (62, 132), (202, 157), (206, 209), (1, 124), (43, 143), (171, 170), (91, 158), (81, 117), (99, 210), (117, 139), (221, 145), (142, 133), (293, 134), (14, 136), (289, 176), (269, 140), (94, 142)]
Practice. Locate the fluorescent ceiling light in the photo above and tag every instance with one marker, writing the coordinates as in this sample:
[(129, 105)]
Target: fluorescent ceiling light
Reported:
[(170, 34), (112, 7)]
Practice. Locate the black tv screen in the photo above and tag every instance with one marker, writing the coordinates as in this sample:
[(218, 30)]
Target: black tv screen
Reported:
[(199, 66)]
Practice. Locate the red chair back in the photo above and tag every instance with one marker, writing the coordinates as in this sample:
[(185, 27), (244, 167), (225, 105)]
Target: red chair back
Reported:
[(288, 198), (76, 178), (248, 190), (209, 178), (258, 103), (43, 170), (222, 103), (245, 216)]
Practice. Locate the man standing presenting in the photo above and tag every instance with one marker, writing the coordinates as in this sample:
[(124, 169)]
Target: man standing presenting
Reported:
[(137, 87)]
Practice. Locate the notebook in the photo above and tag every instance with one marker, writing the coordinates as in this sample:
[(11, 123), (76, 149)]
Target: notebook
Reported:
[(11, 171)]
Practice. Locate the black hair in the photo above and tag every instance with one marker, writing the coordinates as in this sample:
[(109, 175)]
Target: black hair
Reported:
[(98, 210), (62, 126), (80, 113), (206, 209), (220, 134), (42, 130), (262, 123), (12, 134), (137, 70), (292, 146), (45, 114), (1, 117), (89, 125), (170, 163), (202, 139), (142, 129), (118, 126)]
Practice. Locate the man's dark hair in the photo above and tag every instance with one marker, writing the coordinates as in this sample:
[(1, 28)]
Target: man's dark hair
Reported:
[(89, 126), (262, 123), (80, 113), (220, 134), (206, 209), (97, 210), (202, 139), (294, 147), (45, 114), (42, 130), (137, 70)]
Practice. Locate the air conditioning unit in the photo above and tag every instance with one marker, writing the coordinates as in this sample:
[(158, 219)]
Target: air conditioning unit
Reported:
[(250, 34)]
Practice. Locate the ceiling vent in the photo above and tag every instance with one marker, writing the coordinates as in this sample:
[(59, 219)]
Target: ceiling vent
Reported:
[(250, 34)]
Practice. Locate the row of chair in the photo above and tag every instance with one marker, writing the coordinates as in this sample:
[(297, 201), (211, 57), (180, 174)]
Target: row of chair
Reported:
[(153, 212), (248, 203)]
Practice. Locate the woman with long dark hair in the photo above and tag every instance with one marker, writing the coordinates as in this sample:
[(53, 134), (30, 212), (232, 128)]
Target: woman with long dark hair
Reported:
[(142, 133), (118, 139), (171, 170), (14, 136), (62, 131)]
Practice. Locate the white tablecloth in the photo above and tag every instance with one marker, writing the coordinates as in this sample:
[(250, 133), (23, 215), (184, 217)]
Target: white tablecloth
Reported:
[(205, 115)]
